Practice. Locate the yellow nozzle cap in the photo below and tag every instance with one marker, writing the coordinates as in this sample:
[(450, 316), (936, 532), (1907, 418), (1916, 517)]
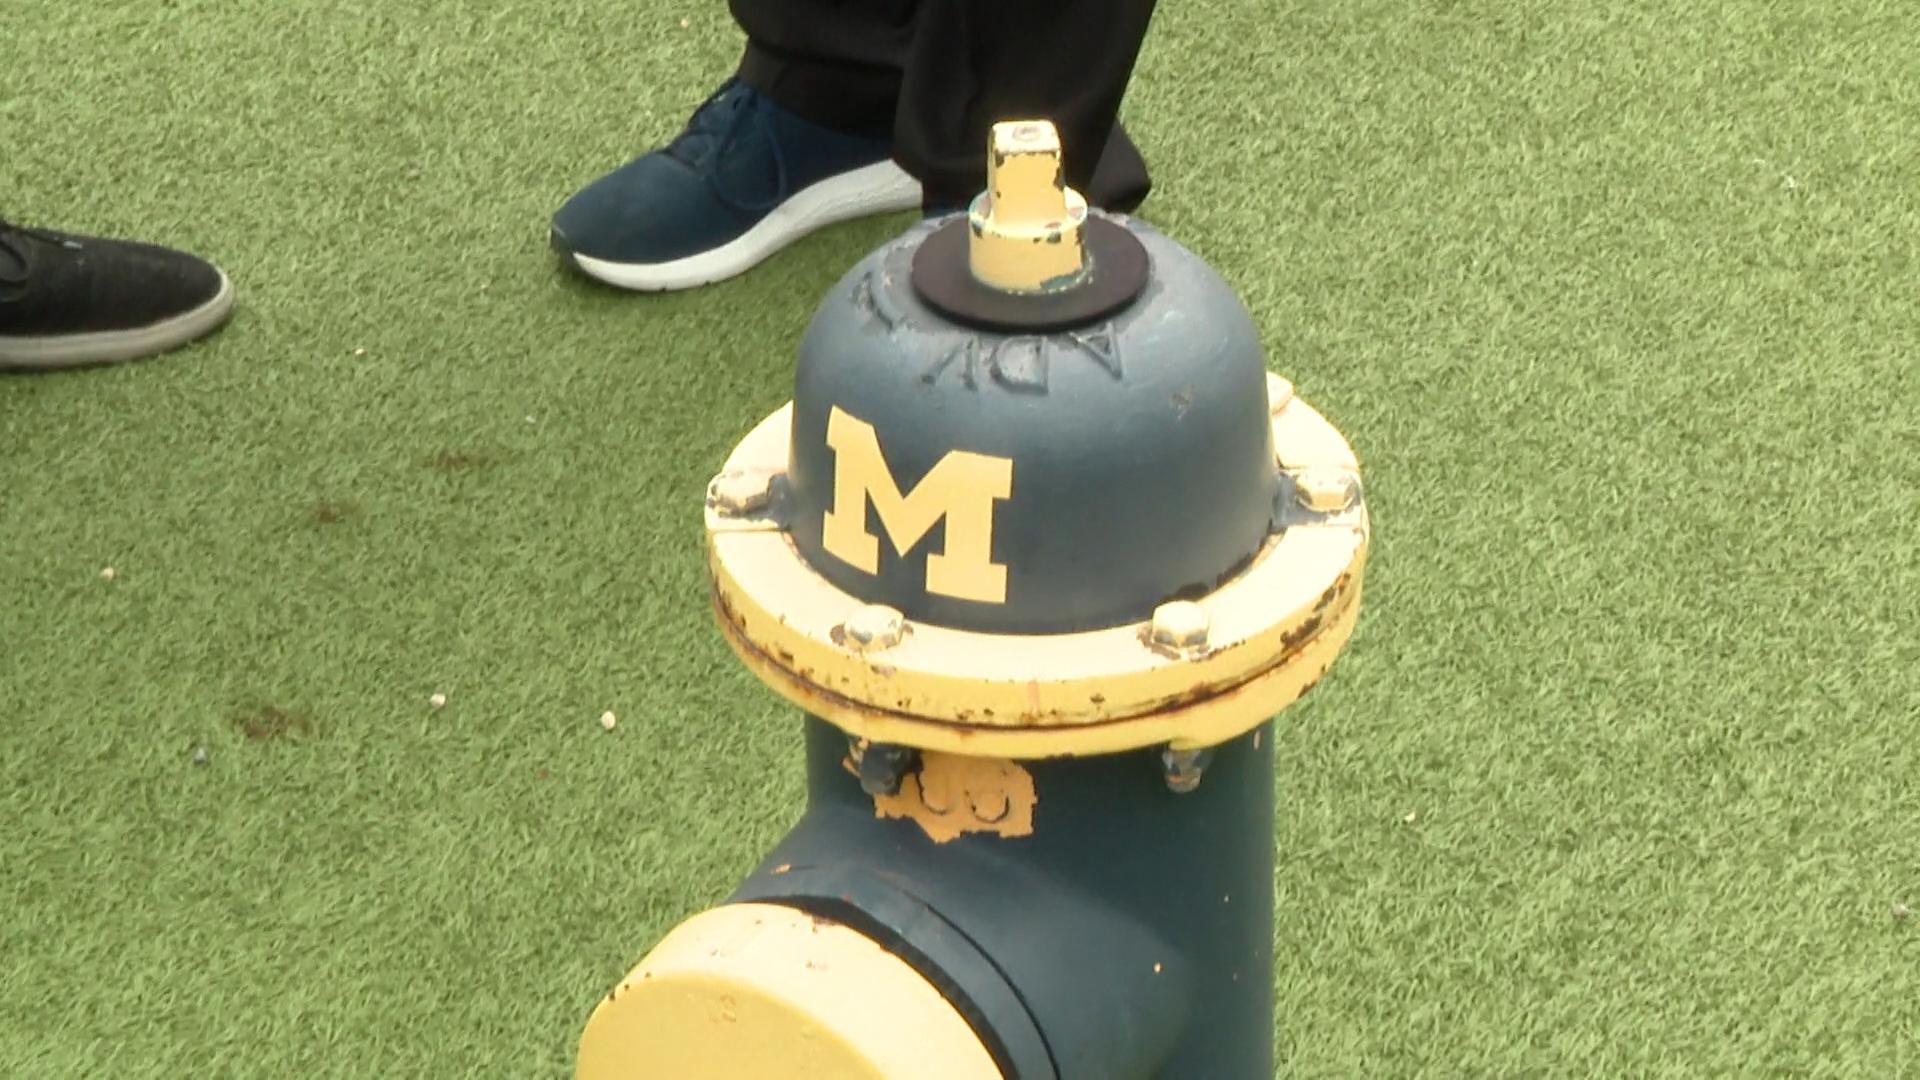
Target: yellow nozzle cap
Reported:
[(759, 991), (1026, 226)]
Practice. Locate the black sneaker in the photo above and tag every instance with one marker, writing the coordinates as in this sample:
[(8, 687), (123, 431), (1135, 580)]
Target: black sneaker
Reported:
[(69, 301)]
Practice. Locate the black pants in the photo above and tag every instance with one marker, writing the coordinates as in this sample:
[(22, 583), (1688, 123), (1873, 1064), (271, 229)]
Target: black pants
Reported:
[(936, 75)]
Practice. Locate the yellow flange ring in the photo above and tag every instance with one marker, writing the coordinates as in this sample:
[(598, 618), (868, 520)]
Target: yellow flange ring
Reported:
[(758, 991), (1267, 635)]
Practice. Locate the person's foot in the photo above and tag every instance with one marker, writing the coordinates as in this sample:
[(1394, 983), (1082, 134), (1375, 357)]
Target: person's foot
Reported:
[(745, 179), (70, 301)]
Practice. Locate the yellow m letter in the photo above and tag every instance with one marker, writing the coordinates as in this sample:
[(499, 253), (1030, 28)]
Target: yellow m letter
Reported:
[(962, 488)]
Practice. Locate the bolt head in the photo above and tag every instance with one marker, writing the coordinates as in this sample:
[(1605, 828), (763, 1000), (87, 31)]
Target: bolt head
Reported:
[(1181, 625), (1183, 768), (1326, 491), (883, 767), (739, 493), (873, 627)]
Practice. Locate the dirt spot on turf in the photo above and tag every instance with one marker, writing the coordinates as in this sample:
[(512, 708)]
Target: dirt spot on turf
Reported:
[(464, 461), (333, 512), (266, 723)]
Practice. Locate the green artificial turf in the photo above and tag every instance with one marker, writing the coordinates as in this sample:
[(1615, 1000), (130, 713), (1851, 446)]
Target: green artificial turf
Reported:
[(1616, 302)]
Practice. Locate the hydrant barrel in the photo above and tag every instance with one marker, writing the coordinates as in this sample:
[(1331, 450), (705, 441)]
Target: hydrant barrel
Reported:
[(1040, 549)]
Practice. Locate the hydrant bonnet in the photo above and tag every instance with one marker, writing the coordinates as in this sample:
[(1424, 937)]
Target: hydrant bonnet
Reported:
[(1030, 482)]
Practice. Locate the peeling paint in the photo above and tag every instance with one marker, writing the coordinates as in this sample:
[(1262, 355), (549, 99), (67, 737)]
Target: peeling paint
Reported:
[(952, 795)]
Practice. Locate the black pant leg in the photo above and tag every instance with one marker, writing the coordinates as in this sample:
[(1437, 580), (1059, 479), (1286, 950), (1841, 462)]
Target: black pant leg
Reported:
[(834, 62), (972, 63)]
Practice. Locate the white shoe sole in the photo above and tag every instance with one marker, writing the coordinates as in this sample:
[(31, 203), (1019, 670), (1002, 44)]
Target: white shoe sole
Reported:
[(117, 346), (874, 189)]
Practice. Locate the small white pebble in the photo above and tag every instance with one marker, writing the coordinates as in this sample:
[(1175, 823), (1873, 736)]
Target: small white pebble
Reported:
[(608, 720), (107, 574), (359, 352), (438, 701)]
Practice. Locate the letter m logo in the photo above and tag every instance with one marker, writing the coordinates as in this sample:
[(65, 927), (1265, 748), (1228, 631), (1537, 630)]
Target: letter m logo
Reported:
[(961, 489)]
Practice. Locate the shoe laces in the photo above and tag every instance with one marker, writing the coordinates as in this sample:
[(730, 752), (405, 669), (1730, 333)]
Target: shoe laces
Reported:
[(13, 270), (717, 125)]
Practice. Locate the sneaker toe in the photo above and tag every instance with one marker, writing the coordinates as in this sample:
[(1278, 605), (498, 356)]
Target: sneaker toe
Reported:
[(149, 284), (651, 210)]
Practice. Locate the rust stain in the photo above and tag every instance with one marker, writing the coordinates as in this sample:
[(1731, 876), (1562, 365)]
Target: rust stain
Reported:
[(333, 513), (723, 606), (1300, 635), (458, 461), (1333, 592), (952, 795), (267, 722)]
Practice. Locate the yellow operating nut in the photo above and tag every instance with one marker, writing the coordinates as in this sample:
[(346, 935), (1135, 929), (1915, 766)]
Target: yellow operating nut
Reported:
[(1027, 224)]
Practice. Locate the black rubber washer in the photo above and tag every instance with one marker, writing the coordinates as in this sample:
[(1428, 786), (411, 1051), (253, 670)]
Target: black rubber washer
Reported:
[(944, 279)]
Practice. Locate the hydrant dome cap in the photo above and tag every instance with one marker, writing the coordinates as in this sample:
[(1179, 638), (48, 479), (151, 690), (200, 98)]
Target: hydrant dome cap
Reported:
[(1030, 482)]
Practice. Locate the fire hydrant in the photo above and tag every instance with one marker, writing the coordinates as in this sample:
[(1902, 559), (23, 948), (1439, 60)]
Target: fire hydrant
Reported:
[(1040, 548)]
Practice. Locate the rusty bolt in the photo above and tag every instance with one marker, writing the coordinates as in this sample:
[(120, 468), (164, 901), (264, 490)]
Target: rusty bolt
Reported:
[(1183, 768), (1326, 491), (736, 494), (1180, 625), (873, 627), (883, 766)]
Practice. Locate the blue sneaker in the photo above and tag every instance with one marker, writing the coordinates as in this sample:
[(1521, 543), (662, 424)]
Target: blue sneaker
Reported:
[(745, 179)]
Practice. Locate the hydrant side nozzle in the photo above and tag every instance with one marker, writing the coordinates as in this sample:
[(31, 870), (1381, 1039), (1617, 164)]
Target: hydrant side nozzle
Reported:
[(819, 998)]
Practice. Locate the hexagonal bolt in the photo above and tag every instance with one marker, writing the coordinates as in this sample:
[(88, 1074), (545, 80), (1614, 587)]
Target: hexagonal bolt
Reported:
[(1183, 768), (883, 766), (1180, 626), (872, 628), (1325, 491), (737, 494)]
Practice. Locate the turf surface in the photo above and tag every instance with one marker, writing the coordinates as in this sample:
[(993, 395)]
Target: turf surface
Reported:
[(1619, 776)]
